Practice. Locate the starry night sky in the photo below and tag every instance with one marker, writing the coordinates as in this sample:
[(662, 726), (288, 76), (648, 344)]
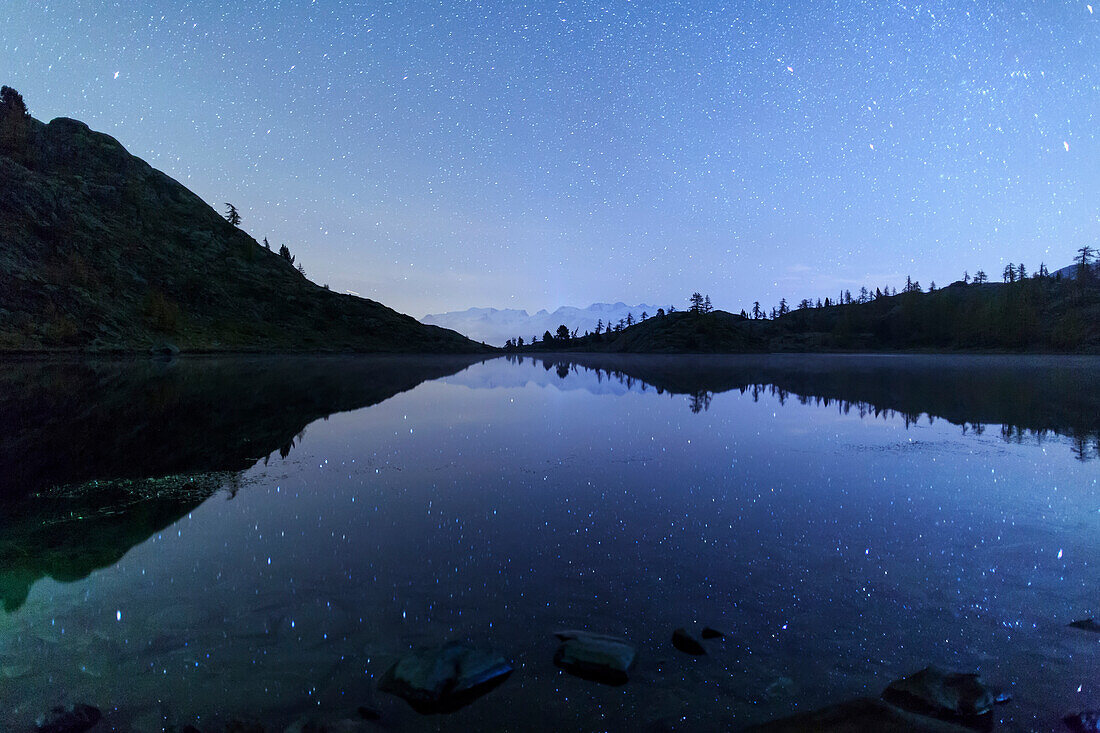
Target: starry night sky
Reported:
[(442, 155)]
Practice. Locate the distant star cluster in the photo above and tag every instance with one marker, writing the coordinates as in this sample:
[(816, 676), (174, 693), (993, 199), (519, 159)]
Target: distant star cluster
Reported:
[(438, 155)]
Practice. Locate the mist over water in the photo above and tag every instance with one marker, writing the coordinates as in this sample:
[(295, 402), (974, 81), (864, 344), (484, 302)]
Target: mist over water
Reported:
[(208, 539)]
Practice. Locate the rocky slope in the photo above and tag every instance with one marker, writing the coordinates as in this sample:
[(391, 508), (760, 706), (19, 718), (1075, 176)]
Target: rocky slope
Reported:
[(99, 251)]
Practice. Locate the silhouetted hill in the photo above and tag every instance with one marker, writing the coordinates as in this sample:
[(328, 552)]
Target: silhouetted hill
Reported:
[(99, 251), (685, 332), (1044, 314)]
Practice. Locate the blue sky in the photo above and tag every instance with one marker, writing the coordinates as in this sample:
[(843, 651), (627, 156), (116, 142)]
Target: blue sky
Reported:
[(442, 155)]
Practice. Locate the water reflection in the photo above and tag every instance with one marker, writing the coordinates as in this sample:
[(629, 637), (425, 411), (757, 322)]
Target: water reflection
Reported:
[(504, 502), (100, 455), (73, 422), (1027, 398)]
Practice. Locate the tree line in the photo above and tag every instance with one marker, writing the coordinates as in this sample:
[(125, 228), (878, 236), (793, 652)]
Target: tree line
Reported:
[(1013, 317)]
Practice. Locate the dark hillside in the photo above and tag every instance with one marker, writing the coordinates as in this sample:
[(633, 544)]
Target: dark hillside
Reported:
[(99, 251), (685, 332), (1047, 314)]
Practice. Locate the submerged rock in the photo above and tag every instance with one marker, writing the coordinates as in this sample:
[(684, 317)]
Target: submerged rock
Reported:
[(949, 695), (69, 719), (864, 715), (164, 350), (709, 633), (687, 643), (1083, 722), (243, 726), (1086, 624), (341, 725), (780, 687), (594, 657), (366, 712), (445, 678)]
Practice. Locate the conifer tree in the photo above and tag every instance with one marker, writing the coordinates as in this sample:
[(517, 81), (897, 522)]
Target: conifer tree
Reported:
[(14, 123), (232, 215)]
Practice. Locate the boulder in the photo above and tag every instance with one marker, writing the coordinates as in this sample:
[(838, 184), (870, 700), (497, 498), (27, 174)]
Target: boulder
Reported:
[(69, 719), (594, 657), (961, 697), (1086, 624), (164, 350), (709, 633), (445, 678), (338, 725), (1083, 722), (366, 712), (865, 715), (687, 643)]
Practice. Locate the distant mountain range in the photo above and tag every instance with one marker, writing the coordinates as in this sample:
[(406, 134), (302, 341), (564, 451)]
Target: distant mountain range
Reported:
[(495, 326)]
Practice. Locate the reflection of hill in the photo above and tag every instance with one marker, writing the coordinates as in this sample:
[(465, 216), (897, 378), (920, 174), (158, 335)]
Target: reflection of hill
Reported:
[(138, 445), (77, 421), (67, 537), (1022, 393)]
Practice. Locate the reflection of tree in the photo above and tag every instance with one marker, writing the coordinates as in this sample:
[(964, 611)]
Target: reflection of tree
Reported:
[(1028, 403), (1083, 450), (700, 401)]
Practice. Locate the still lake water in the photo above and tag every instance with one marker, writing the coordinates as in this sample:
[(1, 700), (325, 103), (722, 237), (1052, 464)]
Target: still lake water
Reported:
[(207, 539)]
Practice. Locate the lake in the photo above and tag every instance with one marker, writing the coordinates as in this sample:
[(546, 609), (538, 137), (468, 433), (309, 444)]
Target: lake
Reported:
[(195, 541)]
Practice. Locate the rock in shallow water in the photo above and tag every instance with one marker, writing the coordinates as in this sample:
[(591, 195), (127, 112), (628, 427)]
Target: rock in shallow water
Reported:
[(865, 715), (709, 633), (594, 657), (445, 678), (1083, 722), (164, 350), (366, 712), (71, 719), (1086, 624), (687, 643), (949, 695), (339, 725)]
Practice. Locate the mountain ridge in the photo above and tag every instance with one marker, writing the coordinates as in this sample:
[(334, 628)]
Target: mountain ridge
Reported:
[(497, 325)]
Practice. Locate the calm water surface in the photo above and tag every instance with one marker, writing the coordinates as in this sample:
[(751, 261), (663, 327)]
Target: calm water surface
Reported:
[(195, 541)]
